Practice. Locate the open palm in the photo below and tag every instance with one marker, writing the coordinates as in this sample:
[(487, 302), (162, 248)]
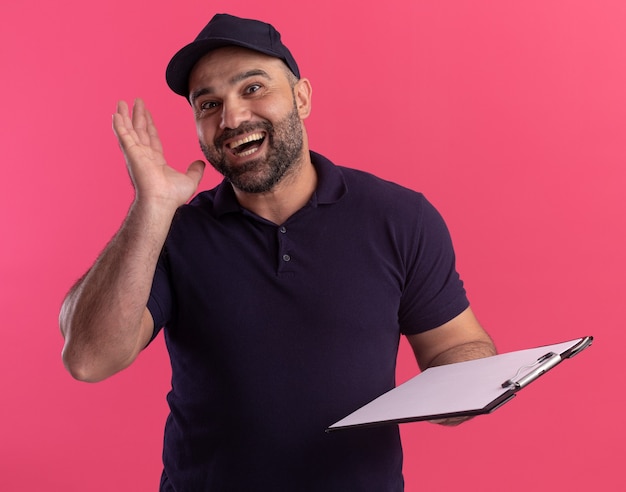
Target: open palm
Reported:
[(152, 178)]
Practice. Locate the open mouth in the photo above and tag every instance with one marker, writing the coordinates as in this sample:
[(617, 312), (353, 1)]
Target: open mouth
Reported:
[(247, 145)]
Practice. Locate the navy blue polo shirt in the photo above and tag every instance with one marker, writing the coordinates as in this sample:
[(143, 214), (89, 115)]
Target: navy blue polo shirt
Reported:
[(277, 331)]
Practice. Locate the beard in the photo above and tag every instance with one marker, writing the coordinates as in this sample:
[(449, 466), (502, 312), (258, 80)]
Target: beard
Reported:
[(284, 150)]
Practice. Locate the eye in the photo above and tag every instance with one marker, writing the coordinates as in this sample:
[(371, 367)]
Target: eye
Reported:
[(251, 89), (208, 105)]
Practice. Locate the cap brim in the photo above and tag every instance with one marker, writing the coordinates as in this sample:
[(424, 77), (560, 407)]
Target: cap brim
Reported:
[(181, 64)]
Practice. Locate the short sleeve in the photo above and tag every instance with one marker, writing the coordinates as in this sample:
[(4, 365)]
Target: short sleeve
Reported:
[(433, 292), (160, 300)]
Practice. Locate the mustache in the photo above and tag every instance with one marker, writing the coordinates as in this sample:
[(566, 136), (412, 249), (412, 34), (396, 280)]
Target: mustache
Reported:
[(229, 133)]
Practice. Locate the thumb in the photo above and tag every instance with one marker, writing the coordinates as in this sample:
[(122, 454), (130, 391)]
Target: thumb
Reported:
[(196, 170)]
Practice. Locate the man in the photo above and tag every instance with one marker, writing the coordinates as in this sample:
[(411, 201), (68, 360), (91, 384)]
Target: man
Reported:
[(283, 291)]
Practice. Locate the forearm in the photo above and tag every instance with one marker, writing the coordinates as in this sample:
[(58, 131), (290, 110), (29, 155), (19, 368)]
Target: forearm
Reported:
[(471, 350), (101, 317), (464, 352)]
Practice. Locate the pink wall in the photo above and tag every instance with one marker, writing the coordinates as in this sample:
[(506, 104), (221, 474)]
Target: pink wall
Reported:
[(509, 115)]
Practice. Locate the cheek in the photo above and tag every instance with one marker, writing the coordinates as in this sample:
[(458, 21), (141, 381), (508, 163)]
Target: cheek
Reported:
[(273, 108), (205, 131)]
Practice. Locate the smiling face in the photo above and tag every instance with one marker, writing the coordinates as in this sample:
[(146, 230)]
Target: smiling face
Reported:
[(249, 110)]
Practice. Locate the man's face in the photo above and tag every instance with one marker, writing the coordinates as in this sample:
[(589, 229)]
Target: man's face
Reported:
[(247, 118)]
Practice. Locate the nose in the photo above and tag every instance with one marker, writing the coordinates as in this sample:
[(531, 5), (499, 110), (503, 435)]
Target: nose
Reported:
[(234, 112)]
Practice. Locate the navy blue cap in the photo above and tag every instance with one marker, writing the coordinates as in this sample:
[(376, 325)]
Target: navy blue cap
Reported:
[(226, 30)]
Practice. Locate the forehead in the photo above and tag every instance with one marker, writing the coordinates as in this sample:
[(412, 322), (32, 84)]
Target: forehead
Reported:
[(222, 64)]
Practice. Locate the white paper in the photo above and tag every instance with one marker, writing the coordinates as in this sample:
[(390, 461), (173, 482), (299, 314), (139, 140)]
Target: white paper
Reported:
[(454, 388)]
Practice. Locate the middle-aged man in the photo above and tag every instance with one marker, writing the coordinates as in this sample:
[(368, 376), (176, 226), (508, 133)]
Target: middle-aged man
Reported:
[(283, 291)]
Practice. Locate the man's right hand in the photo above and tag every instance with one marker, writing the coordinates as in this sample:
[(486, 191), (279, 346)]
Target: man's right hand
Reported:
[(104, 318), (152, 178)]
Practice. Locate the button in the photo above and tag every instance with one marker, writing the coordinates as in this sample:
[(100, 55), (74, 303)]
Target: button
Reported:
[(286, 257), (283, 229)]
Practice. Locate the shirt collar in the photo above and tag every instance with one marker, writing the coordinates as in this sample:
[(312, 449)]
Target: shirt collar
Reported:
[(331, 187)]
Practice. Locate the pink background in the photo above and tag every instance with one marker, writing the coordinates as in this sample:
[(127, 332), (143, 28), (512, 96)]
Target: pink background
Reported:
[(508, 114)]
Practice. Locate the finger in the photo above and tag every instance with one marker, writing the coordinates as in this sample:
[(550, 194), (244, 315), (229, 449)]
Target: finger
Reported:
[(122, 108), (155, 141), (139, 121), (195, 171), (450, 421), (122, 125), (119, 127)]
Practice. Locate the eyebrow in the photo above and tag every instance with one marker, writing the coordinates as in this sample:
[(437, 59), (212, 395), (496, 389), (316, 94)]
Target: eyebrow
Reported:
[(233, 80)]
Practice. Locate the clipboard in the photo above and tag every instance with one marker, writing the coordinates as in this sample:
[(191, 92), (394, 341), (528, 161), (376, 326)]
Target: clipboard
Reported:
[(463, 389)]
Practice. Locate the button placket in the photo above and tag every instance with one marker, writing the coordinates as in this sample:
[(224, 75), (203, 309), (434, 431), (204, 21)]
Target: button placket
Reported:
[(284, 248)]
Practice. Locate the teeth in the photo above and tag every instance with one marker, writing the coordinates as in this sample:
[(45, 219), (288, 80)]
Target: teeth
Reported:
[(249, 138), (247, 152)]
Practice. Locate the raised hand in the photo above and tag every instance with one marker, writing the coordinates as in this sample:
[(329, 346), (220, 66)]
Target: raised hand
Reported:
[(104, 318), (152, 178)]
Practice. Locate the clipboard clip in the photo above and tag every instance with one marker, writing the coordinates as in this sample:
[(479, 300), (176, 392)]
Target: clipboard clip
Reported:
[(536, 369), (578, 348)]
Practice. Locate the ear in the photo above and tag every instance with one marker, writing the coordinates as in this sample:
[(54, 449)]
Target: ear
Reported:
[(302, 93)]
